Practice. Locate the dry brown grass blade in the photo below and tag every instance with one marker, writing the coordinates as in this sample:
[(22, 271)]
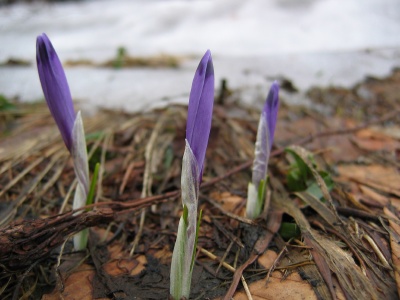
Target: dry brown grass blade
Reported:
[(68, 196), (318, 206), (227, 213), (273, 224), (394, 244), (29, 188), (21, 175), (308, 272), (150, 167), (125, 179), (229, 267), (152, 156), (18, 150), (106, 144), (327, 253), (321, 264)]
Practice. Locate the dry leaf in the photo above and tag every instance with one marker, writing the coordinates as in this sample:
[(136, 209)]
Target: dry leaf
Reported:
[(267, 259), (293, 287), (78, 286), (228, 201), (380, 177)]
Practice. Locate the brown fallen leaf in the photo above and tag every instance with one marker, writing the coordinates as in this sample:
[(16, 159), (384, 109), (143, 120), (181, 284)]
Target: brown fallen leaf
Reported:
[(379, 177), (293, 287), (267, 259), (228, 201), (125, 265), (381, 132), (383, 200), (78, 286)]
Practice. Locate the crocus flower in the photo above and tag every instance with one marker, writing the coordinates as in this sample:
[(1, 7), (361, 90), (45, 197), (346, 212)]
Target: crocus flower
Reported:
[(55, 88), (200, 108), (197, 134), (263, 146), (58, 97)]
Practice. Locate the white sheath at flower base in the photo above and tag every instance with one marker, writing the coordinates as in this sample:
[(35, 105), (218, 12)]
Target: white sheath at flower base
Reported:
[(262, 153), (252, 204), (80, 159), (182, 257)]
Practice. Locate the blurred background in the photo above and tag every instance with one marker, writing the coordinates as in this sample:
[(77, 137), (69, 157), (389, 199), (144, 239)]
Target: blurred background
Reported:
[(139, 54)]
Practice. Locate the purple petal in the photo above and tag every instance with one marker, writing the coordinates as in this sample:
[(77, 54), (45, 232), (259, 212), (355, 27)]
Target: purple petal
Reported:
[(55, 88), (271, 108), (200, 109), (265, 135)]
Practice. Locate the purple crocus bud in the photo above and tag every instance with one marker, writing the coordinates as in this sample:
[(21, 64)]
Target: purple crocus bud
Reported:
[(198, 128), (265, 138), (265, 135), (200, 109), (271, 108), (59, 100), (55, 88)]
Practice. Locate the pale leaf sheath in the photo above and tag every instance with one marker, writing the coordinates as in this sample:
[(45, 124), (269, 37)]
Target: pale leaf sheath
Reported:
[(183, 251), (262, 152), (177, 280), (79, 239), (252, 199), (79, 156), (80, 159)]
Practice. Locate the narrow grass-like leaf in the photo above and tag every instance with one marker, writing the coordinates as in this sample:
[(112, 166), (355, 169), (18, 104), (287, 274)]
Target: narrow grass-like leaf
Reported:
[(90, 196), (81, 239), (197, 237), (262, 187)]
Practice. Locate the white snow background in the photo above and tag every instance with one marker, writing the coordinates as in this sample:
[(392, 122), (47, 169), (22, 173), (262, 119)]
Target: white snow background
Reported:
[(311, 42)]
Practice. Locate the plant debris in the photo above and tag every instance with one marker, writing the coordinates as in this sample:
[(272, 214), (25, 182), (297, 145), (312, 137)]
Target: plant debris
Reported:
[(336, 185)]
